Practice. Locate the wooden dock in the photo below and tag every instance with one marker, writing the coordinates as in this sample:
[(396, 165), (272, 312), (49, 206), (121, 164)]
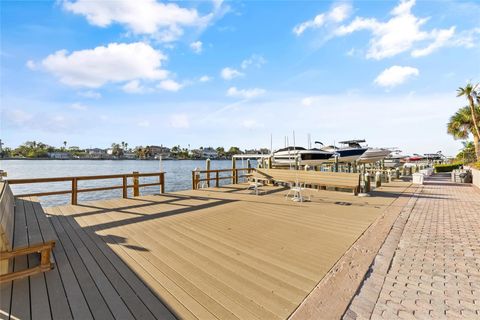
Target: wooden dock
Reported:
[(217, 253)]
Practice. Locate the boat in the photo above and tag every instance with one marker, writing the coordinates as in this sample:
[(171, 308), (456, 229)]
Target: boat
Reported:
[(415, 158), (291, 156), (394, 159), (346, 154), (371, 155), (434, 156)]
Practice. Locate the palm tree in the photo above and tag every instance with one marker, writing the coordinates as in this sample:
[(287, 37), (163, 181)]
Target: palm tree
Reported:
[(470, 92), (65, 144), (461, 126)]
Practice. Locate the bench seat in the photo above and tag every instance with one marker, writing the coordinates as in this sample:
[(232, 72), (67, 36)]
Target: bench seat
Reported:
[(341, 180), (27, 237)]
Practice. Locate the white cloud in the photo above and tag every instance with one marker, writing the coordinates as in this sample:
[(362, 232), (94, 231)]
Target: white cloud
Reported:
[(395, 76), (135, 86), (392, 37), (164, 21), (441, 37), (197, 46), (245, 93), (205, 78), (144, 123), (340, 12), (337, 13), (401, 33), (230, 73), (170, 85), (78, 106), (179, 121), (90, 94), (308, 101), (255, 60), (31, 65), (117, 62), (466, 38)]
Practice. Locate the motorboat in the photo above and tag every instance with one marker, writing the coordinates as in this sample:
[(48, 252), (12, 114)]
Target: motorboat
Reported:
[(291, 156), (434, 156), (415, 158), (394, 159), (350, 153), (371, 155)]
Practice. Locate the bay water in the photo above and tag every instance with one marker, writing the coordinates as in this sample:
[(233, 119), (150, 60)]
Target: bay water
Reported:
[(178, 175)]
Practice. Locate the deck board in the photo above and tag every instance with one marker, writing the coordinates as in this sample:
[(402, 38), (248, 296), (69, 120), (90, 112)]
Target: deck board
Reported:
[(39, 303), (20, 304), (216, 253)]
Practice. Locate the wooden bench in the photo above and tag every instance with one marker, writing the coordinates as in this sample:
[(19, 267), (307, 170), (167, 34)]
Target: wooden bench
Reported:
[(341, 180), (26, 237)]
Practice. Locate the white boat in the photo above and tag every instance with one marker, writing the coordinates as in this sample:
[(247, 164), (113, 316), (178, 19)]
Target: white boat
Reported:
[(394, 160), (373, 155), (351, 153), (291, 156)]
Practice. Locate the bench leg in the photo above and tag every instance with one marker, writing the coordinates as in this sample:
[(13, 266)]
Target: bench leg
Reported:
[(355, 191), (45, 262)]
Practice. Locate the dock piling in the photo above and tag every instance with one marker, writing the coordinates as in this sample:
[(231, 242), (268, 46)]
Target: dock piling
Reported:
[(136, 191)]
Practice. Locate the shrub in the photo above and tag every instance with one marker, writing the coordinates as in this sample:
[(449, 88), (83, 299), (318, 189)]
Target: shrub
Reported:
[(447, 167)]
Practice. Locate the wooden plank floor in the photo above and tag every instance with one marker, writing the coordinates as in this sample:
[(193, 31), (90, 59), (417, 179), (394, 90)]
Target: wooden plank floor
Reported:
[(205, 254)]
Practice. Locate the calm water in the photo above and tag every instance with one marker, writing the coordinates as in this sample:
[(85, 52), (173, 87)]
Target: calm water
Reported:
[(178, 175)]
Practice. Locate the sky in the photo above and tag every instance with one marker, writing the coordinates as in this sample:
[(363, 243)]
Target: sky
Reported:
[(213, 73)]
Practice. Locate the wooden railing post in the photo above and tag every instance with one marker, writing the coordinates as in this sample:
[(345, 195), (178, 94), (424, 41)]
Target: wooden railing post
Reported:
[(136, 191), (207, 166), (217, 179), (162, 182), (74, 191), (194, 179), (124, 187)]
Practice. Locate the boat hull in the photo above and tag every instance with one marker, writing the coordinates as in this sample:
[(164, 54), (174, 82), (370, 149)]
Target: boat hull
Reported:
[(301, 157), (348, 155), (373, 155)]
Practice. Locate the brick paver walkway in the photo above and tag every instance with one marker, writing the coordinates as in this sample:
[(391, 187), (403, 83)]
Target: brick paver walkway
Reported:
[(435, 271)]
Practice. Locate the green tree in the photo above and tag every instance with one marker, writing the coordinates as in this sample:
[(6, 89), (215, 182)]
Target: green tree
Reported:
[(234, 150), (117, 151), (467, 154), (470, 92), (220, 152), (461, 126), (139, 152)]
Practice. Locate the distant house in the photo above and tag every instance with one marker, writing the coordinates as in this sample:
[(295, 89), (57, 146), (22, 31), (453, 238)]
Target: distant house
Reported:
[(158, 151), (59, 155), (97, 153), (130, 155), (196, 153), (209, 153)]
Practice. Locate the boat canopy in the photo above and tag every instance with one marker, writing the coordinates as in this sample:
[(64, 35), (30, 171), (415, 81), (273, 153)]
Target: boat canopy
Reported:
[(353, 143)]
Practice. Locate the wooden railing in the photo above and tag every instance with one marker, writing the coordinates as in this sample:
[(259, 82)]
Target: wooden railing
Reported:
[(136, 185), (214, 175)]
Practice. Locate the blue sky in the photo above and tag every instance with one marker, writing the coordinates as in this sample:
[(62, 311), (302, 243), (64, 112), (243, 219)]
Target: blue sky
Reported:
[(215, 73)]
